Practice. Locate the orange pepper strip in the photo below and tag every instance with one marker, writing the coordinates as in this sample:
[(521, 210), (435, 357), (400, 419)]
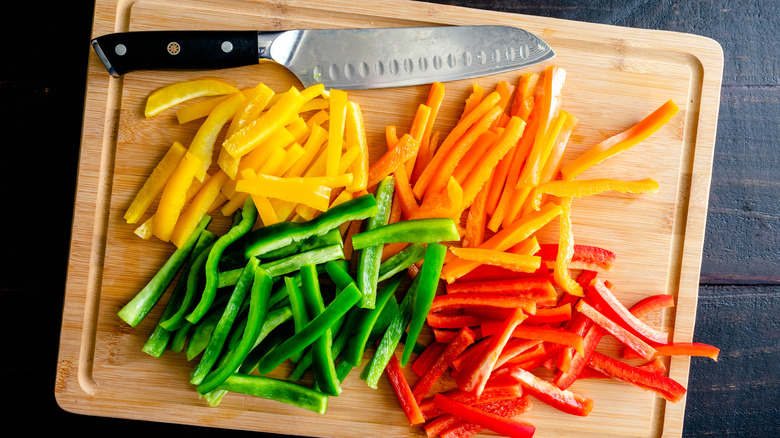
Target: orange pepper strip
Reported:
[(417, 130), (504, 239), (528, 246), (589, 187), (191, 216), (506, 260), (505, 89), (621, 142), (338, 117), (155, 182), (524, 98), (474, 155), (406, 148), (447, 165), (476, 219), (435, 99), (553, 165), (445, 203), (565, 252), (356, 136), (421, 186), (477, 92), (174, 196)]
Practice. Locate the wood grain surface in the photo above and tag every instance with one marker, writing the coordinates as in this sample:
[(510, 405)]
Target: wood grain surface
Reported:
[(739, 265)]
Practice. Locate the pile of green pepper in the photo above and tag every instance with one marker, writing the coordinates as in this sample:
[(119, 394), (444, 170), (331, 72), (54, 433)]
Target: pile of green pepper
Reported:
[(247, 301)]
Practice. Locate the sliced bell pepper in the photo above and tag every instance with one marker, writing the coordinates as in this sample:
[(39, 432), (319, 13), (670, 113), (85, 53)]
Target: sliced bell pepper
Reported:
[(647, 380), (561, 272), (628, 339), (601, 294), (583, 188), (298, 190), (557, 336), (513, 349), (278, 390), (190, 280), (170, 95), (203, 142), (584, 257), (155, 182), (370, 258), (496, 389), (506, 260), (434, 101), (462, 301), (476, 220), (439, 366), (405, 149), (412, 231), (494, 422), (524, 97), (338, 116), (300, 315), (505, 408), (200, 110), (548, 315), (474, 155), (563, 400), (403, 392), (651, 303), (682, 349), (427, 357), (198, 207), (277, 320), (296, 261), (411, 254), (538, 288), (174, 196), (356, 135)]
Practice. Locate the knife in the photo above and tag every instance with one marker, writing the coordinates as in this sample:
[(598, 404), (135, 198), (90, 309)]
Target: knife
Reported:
[(337, 58)]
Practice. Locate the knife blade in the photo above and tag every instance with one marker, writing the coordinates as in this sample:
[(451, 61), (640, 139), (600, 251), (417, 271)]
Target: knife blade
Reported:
[(337, 58)]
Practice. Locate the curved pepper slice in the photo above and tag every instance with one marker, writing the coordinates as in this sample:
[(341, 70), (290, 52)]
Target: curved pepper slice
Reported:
[(170, 95)]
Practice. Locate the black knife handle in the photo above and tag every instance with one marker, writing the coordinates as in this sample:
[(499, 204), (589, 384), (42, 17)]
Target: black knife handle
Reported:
[(176, 50)]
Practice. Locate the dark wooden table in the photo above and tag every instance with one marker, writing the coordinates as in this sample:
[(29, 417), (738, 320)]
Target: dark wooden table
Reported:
[(45, 49)]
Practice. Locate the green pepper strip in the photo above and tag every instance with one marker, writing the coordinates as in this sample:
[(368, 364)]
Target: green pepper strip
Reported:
[(322, 359), (367, 318), (426, 290), (190, 282), (274, 338), (392, 336), (180, 337), (258, 308), (412, 231), (332, 237), (136, 310), (266, 239), (202, 331), (278, 390), (312, 257), (300, 316), (158, 340), (248, 217), (339, 273), (339, 342), (275, 318), (221, 331), (313, 330), (371, 257), (408, 256)]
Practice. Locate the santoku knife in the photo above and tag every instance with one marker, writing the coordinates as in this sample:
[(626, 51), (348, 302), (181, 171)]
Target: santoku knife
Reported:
[(337, 58)]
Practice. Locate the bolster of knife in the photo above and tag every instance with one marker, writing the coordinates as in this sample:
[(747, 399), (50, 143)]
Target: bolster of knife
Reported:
[(176, 50)]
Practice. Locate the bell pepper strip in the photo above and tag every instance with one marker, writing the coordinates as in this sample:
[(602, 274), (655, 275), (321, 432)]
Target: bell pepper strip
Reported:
[(391, 337), (557, 336), (226, 320), (405, 149), (330, 238), (322, 359), (490, 273), (496, 389), (426, 291), (647, 380), (583, 188), (528, 360), (248, 218), (584, 257), (645, 350), (370, 258), (417, 131), (563, 400), (496, 423), (203, 142), (439, 366), (266, 239), (682, 349), (474, 375), (368, 318), (524, 96), (570, 371), (477, 93), (514, 262), (355, 134), (434, 101), (427, 357), (277, 390), (539, 288), (654, 366), (447, 202), (403, 392), (398, 262), (300, 315), (476, 220), (561, 272), (505, 408), (202, 331), (446, 320), (315, 194), (271, 162), (462, 301), (296, 261), (174, 196), (278, 115), (513, 349), (137, 308), (599, 293), (504, 239), (429, 230), (650, 304), (199, 206), (277, 320), (201, 109), (174, 94), (474, 155), (258, 308), (621, 142), (155, 182), (548, 315), (552, 167), (338, 115), (311, 147), (257, 99)]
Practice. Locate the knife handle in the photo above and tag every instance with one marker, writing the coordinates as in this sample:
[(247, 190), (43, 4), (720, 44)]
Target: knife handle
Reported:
[(176, 50)]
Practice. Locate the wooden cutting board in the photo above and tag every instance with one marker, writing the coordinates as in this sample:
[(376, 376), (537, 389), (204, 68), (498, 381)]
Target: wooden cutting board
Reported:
[(615, 77)]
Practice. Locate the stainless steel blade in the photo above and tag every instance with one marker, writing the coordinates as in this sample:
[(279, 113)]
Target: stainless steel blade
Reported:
[(394, 57)]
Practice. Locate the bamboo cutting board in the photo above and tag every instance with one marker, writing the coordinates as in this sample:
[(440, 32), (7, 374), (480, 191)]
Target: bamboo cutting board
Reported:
[(615, 76)]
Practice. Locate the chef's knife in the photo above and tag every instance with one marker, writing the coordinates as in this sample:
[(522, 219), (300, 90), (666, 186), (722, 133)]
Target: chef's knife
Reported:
[(337, 58)]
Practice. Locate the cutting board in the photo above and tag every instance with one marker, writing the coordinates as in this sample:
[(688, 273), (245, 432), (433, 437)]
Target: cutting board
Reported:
[(615, 76)]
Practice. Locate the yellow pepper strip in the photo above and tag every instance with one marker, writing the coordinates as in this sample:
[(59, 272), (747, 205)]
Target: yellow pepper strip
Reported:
[(299, 130), (588, 187), (198, 110), (319, 103), (203, 143), (504, 239), (256, 101), (349, 157), (514, 262), (269, 167), (288, 189), (338, 116), (146, 230), (191, 216), (221, 199), (278, 115), (314, 91), (265, 210), (565, 252), (155, 182), (259, 155), (292, 155), (174, 196), (168, 96), (621, 142), (311, 147), (318, 118), (356, 136), (306, 212)]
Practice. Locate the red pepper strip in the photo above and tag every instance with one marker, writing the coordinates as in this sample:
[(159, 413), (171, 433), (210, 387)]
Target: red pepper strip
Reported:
[(474, 375), (650, 304), (654, 366), (426, 358), (513, 348), (548, 315), (645, 350), (461, 301), (658, 383), (556, 336), (440, 365), (682, 349), (444, 336), (496, 423), (601, 293), (471, 353), (403, 392), (505, 408), (526, 358), (492, 272), (563, 400), (565, 378), (540, 289), (585, 257), (447, 320), (501, 388)]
